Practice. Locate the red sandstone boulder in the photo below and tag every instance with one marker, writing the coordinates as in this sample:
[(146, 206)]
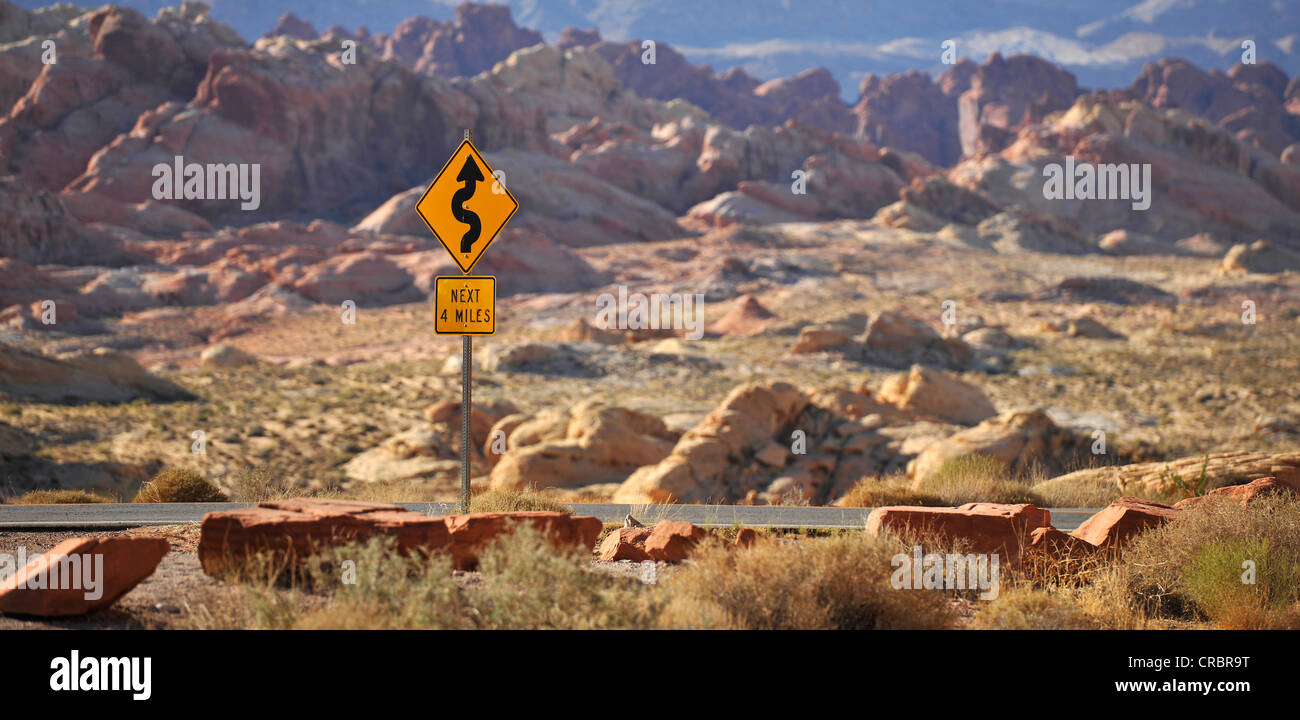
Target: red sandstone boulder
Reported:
[(299, 527), (1243, 494), (668, 541), (1121, 520), (48, 585), (987, 527), (471, 534), (747, 538), (1059, 545), (625, 544), (746, 317), (673, 540)]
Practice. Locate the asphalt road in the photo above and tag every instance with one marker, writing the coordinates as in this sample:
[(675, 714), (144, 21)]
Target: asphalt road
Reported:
[(125, 515)]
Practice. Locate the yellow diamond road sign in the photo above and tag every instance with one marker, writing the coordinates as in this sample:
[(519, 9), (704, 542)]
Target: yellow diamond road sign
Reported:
[(465, 206)]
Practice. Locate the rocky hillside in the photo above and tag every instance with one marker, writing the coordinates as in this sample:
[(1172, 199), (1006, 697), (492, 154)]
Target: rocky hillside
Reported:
[(598, 147)]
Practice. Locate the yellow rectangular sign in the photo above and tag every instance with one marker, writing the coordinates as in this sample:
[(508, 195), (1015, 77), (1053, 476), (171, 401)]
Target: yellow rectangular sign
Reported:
[(465, 304)]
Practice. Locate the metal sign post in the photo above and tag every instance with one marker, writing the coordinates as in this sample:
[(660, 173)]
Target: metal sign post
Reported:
[(466, 368)]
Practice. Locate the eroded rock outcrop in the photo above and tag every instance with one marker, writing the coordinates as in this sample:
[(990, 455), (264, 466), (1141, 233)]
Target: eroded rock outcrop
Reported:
[(430, 453), (1247, 100), (1202, 178), (1151, 479), (592, 443), (1019, 439), (102, 376), (1006, 92), (771, 442), (113, 65), (891, 340), (925, 392)]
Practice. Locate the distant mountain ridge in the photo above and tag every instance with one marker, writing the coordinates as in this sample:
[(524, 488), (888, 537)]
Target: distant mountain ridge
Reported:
[(969, 109), (1104, 43)]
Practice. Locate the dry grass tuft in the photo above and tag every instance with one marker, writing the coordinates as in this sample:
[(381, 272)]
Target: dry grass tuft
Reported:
[(1217, 583), (1029, 609), (1062, 493), (522, 501), (527, 583), (179, 485), (976, 478), (257, 484), (60, 497), (890, 490), (841, 582), (393, 491)]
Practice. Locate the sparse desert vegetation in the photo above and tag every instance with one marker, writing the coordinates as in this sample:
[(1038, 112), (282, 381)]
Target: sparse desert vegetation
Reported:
[(59, 497), (1235, 566), (177, 485), (1030, 609), (521, 501), (976, 478)]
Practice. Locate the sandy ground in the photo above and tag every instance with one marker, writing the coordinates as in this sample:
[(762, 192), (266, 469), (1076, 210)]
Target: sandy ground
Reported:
[(156, 602)]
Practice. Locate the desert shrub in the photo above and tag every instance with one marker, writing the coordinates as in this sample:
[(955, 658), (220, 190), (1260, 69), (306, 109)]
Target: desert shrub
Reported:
[(1176, 487), (1106, 599), (370, 586), (511, 501), (393, 491), (976, 478), (842, 582), (227, 607), (1029, 609), (1050, 570), (529, 584), (1076, 493), (1190, 567), (59, 497), (523, 583), (256, 484), (890, 490), (177, 485), (1216, 582)]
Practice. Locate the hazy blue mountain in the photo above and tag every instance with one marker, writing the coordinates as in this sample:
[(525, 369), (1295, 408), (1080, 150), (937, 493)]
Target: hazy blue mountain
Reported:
[(1104, 42)]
